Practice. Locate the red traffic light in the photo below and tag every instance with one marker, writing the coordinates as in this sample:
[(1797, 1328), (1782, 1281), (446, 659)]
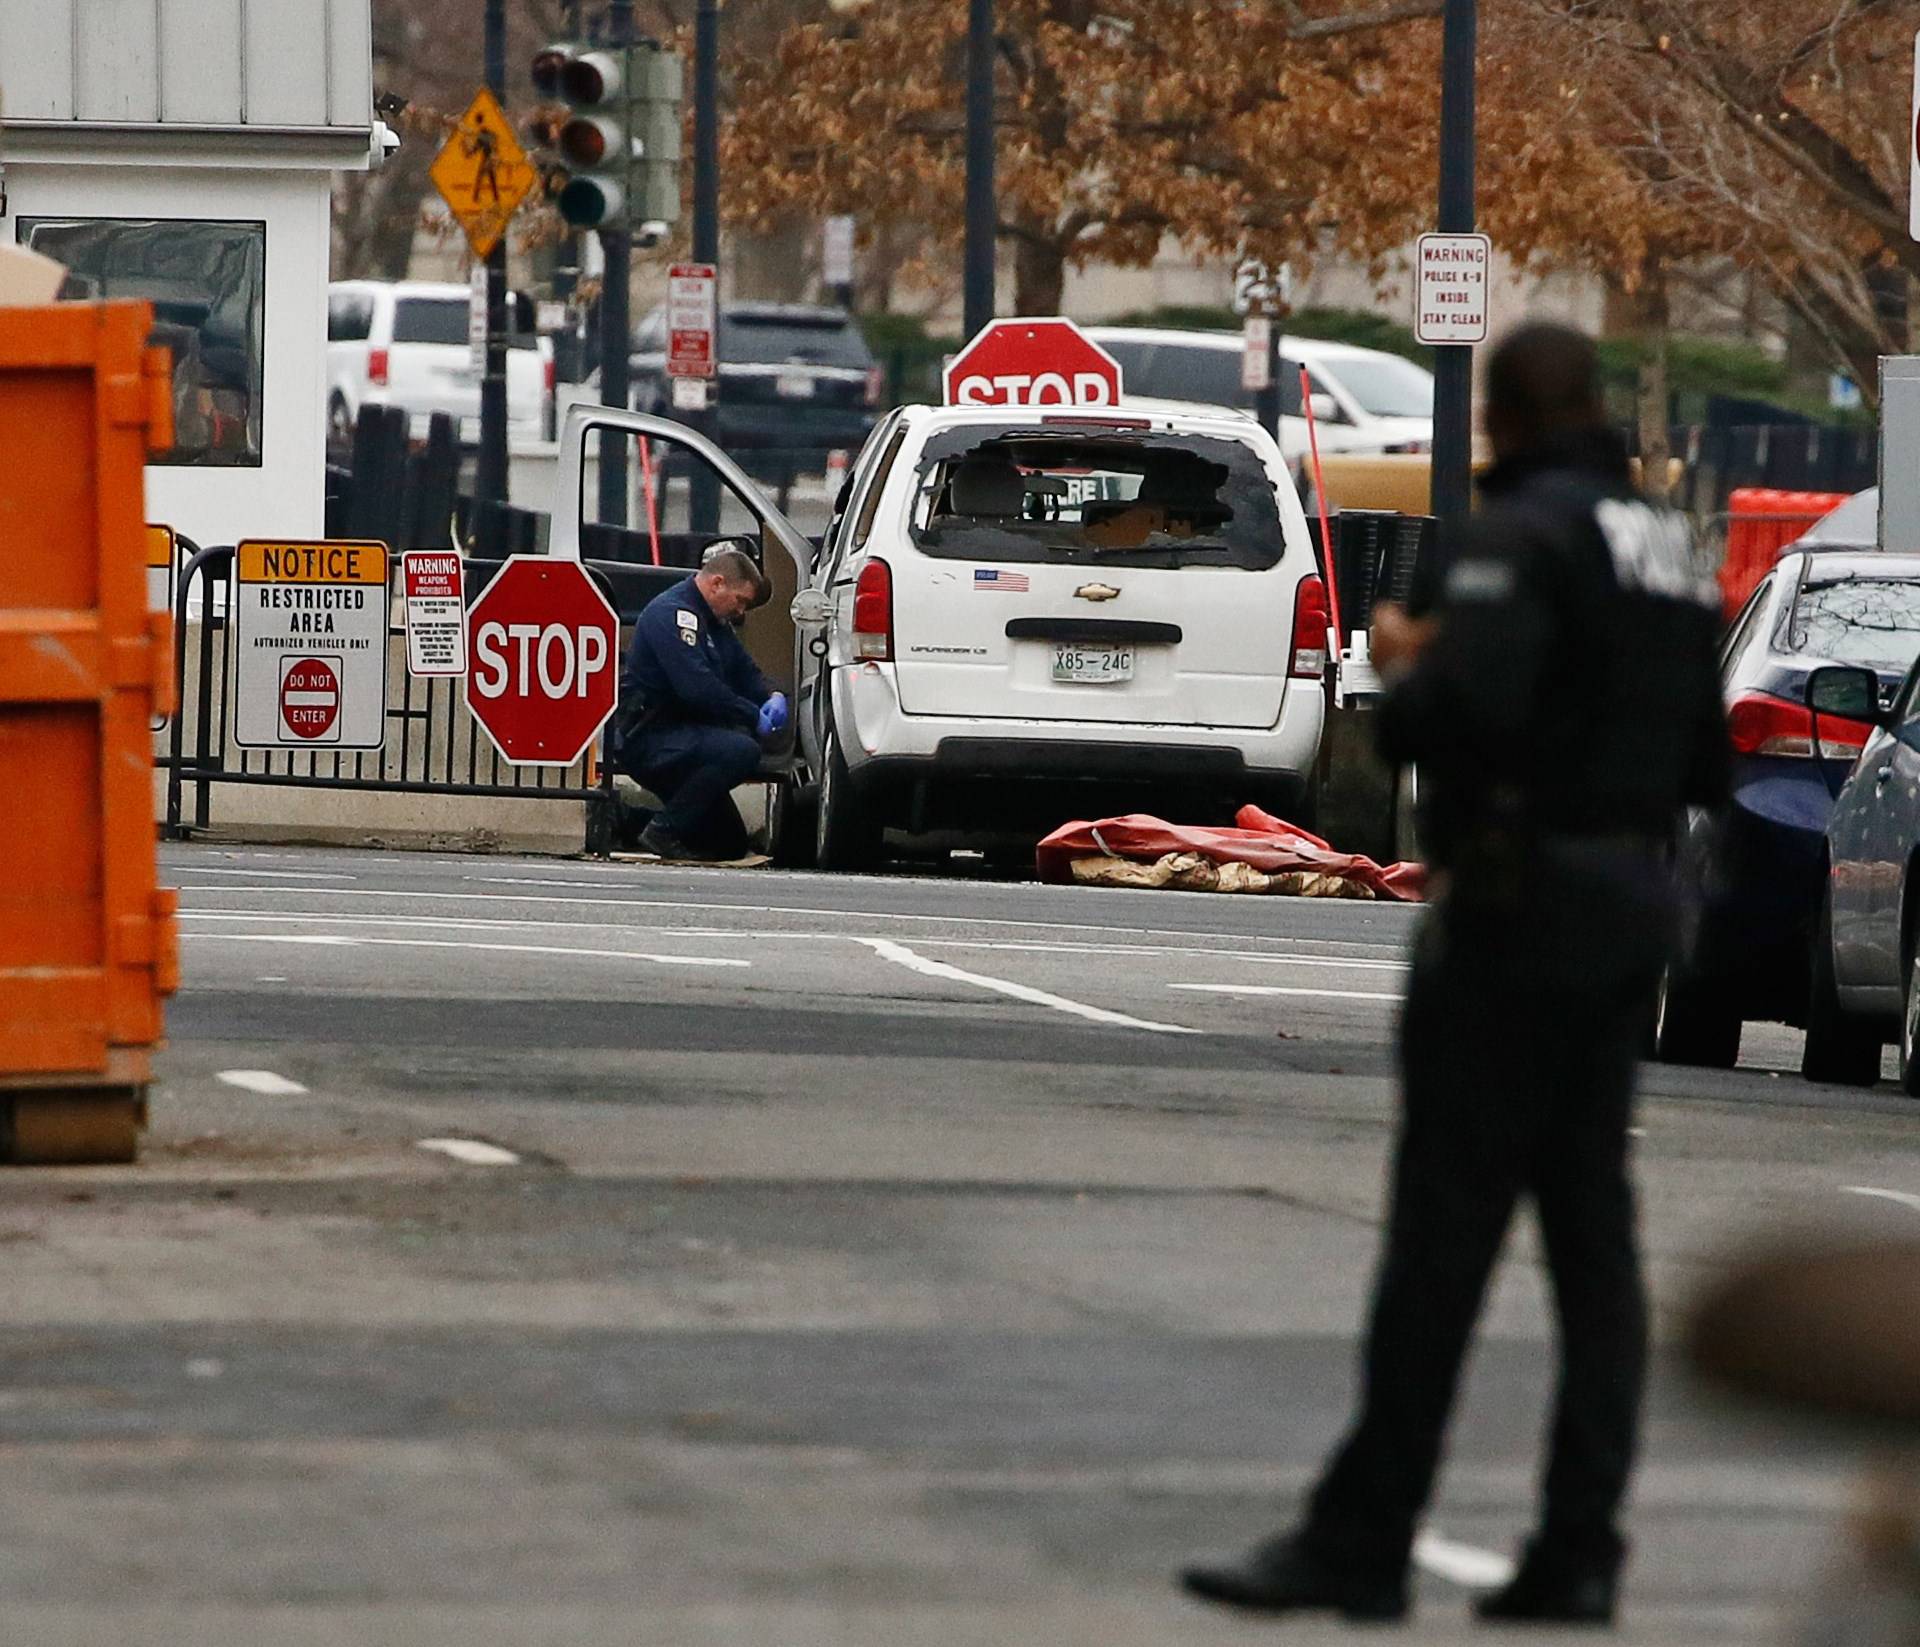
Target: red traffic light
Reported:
[(588, 140), (549, 66), (590, 79)]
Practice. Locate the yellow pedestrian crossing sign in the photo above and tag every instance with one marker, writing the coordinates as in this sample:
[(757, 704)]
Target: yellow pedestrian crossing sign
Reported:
[(482, 173)]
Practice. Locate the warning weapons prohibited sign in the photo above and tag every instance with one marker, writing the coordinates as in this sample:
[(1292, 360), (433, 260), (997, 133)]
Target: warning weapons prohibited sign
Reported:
[(310, 626)]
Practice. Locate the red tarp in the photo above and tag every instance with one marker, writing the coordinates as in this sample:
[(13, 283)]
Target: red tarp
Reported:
[(1260, 840)]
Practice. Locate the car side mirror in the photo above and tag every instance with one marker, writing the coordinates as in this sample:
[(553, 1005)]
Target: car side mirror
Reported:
[(1846, 693), (1325, 408), (811, 609)]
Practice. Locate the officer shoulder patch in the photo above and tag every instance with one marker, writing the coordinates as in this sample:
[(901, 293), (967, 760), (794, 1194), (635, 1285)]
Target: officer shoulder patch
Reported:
[(689, 637), (687, 620)]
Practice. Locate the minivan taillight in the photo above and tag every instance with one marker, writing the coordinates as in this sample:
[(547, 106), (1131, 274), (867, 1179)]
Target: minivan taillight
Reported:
[(876, 386), (552, 375), (377, 366), (1761, 724), (1310, 620), (873, 613)]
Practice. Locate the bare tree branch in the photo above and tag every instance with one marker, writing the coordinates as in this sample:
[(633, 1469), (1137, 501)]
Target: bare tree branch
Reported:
[(1303, 27)]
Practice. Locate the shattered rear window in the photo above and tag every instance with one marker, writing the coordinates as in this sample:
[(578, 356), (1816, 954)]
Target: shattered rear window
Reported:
[(1111, 497), (1872, 622)]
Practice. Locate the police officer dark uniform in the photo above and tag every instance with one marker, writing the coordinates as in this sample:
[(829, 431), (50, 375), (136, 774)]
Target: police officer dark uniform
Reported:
[(693, 708), (1562, 703)]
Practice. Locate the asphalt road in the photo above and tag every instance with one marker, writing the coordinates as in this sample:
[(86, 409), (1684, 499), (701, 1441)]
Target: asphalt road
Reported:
[(530, 1252)]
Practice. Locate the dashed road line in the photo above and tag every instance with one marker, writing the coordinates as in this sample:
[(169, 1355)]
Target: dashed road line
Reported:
[(263, 1081), (1463, 1564), (1277, 989), (471, 1151), (340, 941), (1904, 1198), (900, 955)]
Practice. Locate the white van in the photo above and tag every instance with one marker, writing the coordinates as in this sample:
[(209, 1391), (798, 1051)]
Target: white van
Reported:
[(404, 343), (1365, 400), (1021, 616)]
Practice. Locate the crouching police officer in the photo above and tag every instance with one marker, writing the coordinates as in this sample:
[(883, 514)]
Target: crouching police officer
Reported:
[(1562, 703), (694, 707)]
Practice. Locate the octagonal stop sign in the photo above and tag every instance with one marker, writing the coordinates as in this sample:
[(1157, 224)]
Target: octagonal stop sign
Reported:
[(544, 647), (1032, 363)]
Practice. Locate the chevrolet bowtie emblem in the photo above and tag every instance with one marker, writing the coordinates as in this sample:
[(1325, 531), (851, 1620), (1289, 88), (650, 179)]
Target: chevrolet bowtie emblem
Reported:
[(1096, 591)]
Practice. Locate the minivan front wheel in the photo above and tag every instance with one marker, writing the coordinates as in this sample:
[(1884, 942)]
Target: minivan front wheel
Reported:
[(1692, 1025), (1910, 1022)]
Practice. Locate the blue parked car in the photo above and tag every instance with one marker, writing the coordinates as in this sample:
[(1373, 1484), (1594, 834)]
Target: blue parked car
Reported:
[(1752, 873)]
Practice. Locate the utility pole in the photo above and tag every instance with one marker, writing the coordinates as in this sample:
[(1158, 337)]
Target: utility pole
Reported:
[(982, 215), (490, 478), (616, 246), (704, 488), (1453, 363)]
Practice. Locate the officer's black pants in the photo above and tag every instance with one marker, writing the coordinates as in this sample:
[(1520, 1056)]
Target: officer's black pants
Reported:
[(694, 769), (1518, 1079)]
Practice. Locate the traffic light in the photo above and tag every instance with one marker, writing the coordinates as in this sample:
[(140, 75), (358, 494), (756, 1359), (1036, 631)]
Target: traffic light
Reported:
[(617, 149)]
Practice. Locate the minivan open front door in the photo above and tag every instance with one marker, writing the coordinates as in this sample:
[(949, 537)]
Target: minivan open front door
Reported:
[(656, 542)]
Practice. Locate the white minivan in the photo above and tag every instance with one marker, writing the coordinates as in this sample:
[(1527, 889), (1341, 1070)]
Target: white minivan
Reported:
[(1023, 616), (404, 343), (1364, 400)]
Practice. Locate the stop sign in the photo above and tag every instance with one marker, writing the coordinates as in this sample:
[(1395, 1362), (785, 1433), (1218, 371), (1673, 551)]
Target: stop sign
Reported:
[(1032, 363), (544, 674)]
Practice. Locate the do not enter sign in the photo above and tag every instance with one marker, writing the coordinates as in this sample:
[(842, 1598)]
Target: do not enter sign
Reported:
[(1032, 363), (543, 643), (310, 699)]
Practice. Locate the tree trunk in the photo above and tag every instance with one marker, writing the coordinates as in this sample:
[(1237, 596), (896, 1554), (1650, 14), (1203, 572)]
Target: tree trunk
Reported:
[(1039, 276), (1653, 326)]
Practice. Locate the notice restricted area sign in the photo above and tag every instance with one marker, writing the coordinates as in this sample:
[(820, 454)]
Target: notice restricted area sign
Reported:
[(436, 612), (310, 628)]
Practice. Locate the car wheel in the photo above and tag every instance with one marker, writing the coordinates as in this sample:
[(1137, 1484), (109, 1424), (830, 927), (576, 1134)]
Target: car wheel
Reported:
[(1841, 1049), (790, 826), (1910, 1023), (1694, 1025), (844, 834)]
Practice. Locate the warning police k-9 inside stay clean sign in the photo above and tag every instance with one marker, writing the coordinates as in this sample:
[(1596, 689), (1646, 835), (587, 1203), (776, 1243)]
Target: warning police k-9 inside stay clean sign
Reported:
[(310, 636)]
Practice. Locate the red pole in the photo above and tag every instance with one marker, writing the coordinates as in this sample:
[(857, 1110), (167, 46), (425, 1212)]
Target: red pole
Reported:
[(646, 484), (1320, 492)]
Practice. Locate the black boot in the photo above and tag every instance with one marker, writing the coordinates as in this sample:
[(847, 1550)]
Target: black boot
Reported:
[(1553, 1587), (663, 843), (1283, 1576)]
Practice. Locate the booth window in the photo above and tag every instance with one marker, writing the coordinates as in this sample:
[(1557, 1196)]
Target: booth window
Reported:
[(207, 283)]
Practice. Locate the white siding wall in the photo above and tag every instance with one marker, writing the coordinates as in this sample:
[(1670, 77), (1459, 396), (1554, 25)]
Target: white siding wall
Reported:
[(190, 62), (286, 495)]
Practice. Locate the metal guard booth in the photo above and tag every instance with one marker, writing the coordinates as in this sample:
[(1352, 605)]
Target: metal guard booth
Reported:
[(87, 939)]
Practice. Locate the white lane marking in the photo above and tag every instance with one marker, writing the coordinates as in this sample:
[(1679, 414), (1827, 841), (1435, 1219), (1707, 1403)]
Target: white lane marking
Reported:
[(274, 874), (448, 943), (395, 895), (263, 1081), (474, 923), (1462, 1564), (270, 978), (471, 1151), (900, 955), (1275, 989), (1903, 1198)]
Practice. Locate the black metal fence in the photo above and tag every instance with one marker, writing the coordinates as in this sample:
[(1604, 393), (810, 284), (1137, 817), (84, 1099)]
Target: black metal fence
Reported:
[(433, 745)]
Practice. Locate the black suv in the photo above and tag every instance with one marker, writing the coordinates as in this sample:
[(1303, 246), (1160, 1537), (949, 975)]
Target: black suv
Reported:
[(793, 377)]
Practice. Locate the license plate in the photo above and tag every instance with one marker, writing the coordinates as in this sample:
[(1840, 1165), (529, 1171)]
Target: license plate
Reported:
[(1092, 665), (793, 386)]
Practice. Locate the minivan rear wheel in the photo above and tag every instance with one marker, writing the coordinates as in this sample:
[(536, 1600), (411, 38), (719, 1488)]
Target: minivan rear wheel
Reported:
[(845, 834), (1910, 1022), (1841, 1049)]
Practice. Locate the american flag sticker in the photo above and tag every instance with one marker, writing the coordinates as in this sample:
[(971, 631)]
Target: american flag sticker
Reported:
[(1014, 583)]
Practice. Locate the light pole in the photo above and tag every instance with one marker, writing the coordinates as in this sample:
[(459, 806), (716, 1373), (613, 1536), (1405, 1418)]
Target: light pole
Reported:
[(490, 475), (616, 248), (1453, 363), (982, 220), (703, 493)]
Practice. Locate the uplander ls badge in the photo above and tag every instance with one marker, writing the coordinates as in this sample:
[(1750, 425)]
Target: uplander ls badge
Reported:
[(1096, 591)]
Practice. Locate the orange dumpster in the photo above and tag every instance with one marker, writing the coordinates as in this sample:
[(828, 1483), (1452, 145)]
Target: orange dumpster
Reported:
[(87, 941)]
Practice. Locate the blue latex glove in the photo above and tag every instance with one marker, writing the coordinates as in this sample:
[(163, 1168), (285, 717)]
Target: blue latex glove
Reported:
[(773, 715)]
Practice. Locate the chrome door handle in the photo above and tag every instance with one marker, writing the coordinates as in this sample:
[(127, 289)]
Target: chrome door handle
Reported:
[(1882, 775)]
